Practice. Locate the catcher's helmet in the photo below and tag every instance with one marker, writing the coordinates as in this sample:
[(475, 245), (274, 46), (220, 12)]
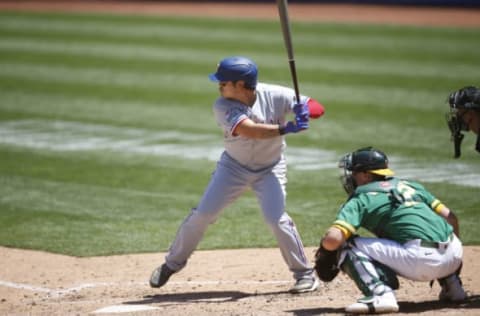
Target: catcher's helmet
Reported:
[(371, 160), (236, 68), (366, 159)]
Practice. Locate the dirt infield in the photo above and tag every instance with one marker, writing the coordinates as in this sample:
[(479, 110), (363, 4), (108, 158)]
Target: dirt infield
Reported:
[(222, 282), (432, 16)]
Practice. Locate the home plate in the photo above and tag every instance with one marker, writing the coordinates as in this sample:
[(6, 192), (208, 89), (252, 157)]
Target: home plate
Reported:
[(124, 309)]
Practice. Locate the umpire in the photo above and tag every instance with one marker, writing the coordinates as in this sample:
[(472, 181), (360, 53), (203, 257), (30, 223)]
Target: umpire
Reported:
[(415, 235), (464, 115)]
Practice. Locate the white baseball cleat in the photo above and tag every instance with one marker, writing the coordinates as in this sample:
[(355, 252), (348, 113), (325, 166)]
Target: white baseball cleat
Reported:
[(377, 304)]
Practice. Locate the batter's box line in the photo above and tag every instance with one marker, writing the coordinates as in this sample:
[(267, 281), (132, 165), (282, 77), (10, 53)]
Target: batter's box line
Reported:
[(62, 292), (52, 292)]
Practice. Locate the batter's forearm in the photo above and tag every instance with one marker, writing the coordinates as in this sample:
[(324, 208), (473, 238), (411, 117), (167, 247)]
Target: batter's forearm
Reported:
[(251, 129), (263, 131)]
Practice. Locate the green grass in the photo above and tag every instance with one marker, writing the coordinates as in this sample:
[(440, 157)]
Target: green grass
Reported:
[(107, 137)]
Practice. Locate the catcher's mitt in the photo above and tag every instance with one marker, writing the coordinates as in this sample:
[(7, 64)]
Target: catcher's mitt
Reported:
[(326, 262)]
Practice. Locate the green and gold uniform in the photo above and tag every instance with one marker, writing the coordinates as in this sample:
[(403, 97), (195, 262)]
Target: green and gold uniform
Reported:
[(411, 238), (395, 209)]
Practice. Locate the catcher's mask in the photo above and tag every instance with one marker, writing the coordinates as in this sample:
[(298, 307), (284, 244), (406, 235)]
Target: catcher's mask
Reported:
[(459, 104), (366, 159)]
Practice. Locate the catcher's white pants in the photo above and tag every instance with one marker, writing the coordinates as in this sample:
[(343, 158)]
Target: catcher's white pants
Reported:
[(411, 260), (228, 182)]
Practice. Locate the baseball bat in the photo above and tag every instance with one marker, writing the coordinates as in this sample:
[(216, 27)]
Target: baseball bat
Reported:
[(287, 37)]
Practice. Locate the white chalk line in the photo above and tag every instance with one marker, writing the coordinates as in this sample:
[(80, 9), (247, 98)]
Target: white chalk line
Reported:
[(62, 292), (49, 291), (124, 308), (128, 308)]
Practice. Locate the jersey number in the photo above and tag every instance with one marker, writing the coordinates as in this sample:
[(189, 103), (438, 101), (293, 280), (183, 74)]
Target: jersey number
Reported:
[(404, 194)]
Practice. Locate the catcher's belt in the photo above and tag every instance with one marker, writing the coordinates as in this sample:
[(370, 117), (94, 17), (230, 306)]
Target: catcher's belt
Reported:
[(437, 245)]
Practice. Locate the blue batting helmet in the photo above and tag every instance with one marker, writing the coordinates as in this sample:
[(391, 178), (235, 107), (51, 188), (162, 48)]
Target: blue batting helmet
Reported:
[(236, 68)]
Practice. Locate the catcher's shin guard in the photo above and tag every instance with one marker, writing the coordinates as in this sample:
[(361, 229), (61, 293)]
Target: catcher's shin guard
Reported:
[(372, 278), (387, 275)]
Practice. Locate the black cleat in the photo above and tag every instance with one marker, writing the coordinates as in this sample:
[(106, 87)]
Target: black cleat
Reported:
[(160, 275)]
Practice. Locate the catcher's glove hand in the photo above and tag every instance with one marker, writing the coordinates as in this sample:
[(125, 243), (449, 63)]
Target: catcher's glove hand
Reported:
[(326, 263)]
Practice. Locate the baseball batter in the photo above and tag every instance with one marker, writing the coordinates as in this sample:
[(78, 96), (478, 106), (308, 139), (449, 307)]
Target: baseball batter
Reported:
[(253, 118), (416, 235)]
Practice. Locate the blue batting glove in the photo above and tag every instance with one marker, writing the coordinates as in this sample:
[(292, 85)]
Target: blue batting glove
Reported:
[(292, 127), (301, 110), (301, 123), (301, 119)]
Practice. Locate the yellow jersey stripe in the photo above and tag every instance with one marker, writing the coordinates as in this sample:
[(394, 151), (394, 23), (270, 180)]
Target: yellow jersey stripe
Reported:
[(437, 206), (345, 228)]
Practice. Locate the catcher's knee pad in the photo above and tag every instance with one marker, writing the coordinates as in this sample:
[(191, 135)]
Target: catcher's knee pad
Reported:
[(369, 276)]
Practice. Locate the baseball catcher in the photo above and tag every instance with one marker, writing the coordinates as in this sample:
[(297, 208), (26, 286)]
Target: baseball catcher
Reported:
[(415, 235), (464, 115)]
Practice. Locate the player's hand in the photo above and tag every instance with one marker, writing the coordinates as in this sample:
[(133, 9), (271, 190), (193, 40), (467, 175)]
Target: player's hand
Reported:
[(301, 123), (294, 127), (301, 112)]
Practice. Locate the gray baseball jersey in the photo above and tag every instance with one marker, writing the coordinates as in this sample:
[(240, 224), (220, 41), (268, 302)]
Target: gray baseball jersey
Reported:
[(246, 163), (272, 105)]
